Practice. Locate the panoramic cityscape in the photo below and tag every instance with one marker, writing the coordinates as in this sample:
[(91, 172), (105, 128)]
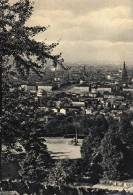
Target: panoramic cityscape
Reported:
[(66, 119)]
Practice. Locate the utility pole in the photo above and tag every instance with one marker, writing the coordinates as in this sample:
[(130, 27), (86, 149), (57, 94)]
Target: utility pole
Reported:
[(76, 136), (76, 124)]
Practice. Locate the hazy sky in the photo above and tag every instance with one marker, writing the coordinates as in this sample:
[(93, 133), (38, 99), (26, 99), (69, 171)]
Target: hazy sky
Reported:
[(90, 31)]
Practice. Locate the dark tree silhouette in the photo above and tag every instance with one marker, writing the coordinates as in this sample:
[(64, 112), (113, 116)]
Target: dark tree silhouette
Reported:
[(20, 54), (117, 149), (91, 156)]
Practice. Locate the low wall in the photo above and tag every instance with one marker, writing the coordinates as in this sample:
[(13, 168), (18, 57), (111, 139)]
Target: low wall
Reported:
[(124, 184)]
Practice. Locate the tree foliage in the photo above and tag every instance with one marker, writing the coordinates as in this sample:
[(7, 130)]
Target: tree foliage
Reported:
[(19, 116), (21, 54), (112, 156), (17, 39), (111, 153), (35, 165), (91, 156), (64, 172)]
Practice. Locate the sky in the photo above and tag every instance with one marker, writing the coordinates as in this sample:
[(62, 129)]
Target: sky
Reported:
[(89, 31)]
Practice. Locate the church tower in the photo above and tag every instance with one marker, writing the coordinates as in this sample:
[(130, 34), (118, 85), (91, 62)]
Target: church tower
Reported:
[(124, 75)]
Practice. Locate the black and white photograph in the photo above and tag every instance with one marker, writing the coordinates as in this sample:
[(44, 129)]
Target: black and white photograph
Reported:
[(66, 97)]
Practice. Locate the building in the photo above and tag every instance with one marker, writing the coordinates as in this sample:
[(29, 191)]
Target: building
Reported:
[(124, 74)]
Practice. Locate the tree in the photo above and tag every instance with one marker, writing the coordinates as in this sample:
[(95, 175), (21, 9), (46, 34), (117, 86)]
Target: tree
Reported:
[(90, 149), (100, 125), (126, 129), (109, 154), (64, 172), (19, 117), (20, 54), (117, 150), (91, 156), (37, 161), (126, 136), (23, 125), (112, 156), (17, 39)]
